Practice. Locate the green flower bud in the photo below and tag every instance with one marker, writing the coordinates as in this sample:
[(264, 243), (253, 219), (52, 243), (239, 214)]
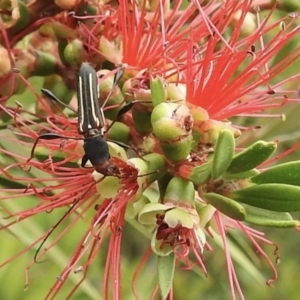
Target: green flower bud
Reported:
[(74, 52), (171, 121), (178, 150), (142, 120), (119, 132), (58, 87), (45, 64), (156, 166), (62, 44), (116, 97), (108, 187)]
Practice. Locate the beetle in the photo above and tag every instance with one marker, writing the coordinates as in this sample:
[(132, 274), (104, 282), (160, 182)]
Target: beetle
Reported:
[(91, 120)]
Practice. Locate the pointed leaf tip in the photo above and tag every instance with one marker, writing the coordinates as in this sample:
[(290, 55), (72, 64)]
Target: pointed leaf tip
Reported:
[(252, 156), (223, 153), (166, 269), (271, 196), (287, 173)]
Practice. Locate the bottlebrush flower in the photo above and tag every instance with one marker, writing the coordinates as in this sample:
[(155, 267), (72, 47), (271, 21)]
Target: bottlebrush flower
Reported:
[(186, 179), (235, 77), (156, 36)]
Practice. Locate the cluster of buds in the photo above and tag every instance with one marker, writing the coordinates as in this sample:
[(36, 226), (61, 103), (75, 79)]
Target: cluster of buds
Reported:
[(179, 168)]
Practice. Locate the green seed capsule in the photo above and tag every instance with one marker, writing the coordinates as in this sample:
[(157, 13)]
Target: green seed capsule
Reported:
[(74, 53), (166, 130), (57, 86), (156, 164), (142, 120), (116, 97), (119, 132), (171, 121), (179, 150), (45, 64)]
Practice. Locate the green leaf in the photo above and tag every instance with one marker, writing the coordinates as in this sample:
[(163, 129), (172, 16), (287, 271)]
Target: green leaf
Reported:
[(198, 175), (226, 206), (158, 91), (264, 217), (166, 269), (288, 173), (272, 196), (242, 175), (223, 154), (252, 156)]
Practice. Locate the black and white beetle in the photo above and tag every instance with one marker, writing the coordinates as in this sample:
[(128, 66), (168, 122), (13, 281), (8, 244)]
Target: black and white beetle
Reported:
[(91, 120)]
